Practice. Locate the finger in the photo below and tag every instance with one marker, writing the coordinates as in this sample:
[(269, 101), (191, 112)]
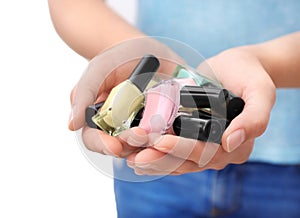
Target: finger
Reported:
[(254, 118), (168, 162), (136, 137), (187, 149), (219, 161), (151, 159), (128, 150), (71, 116), (133, 140), (190, 167), (166, 167), (87, 89), (98, 141), (248, 79), (184, 167), (158, 167)]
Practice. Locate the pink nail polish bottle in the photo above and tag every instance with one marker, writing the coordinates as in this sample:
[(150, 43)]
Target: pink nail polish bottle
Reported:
[(162, 104)]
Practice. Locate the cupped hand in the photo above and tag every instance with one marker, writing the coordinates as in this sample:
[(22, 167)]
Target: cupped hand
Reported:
[(104, 72)]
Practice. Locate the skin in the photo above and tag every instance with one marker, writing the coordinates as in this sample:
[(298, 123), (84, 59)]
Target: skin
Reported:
[(252, 72)]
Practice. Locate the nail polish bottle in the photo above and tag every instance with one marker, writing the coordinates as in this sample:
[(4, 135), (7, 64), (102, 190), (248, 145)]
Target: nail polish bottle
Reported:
[(201, 126), (202, 97), (234, 106), (91, 111), (161, 106), (201, 80), (206, 113), (218, 100), (126, 99)]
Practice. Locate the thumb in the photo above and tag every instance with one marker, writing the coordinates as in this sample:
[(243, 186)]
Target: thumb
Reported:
[(86, 91), (253, 120), (99, 68)]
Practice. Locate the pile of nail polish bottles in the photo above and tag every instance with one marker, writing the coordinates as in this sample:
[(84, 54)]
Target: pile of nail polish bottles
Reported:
[(187, 104)]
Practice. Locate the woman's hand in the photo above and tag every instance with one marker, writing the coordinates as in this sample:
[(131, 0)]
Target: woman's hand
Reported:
[(104, 72), (240, 72)]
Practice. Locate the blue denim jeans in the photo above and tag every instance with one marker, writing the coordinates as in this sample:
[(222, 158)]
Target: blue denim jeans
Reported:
[(247, 190)]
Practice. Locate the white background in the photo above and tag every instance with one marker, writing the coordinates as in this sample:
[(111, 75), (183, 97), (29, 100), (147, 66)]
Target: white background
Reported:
[(42, 170)]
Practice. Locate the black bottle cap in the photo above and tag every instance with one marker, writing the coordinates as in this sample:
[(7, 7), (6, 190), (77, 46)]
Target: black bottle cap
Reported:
[(235, 106), (202, 97), (200, 126), (144, 71), (137, 119), (191, 127), (90, 111), (220, 101)]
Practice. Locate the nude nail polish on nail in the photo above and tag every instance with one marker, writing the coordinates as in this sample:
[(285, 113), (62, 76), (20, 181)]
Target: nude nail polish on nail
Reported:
[(235, 139)]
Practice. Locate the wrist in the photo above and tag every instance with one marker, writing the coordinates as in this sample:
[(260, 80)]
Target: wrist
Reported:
[(280, 59)]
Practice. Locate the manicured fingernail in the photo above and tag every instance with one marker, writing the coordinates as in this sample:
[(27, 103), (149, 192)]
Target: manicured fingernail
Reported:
[(70, 122), (135, 141), (235, 139), (147, 166), (154, 138), (106, 152), (138, 172), (134, 137), (144, 166), (162, 149), (72, 117), (130, 164)]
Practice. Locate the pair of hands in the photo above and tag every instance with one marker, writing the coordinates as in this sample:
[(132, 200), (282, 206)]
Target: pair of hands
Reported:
[(152, 154)]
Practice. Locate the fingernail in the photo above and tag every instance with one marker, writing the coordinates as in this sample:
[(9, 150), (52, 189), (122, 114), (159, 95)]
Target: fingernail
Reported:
[(147, 166), (70, 122), (235, 139), (135, 142), (162, 149), (144, 166), (72, 117), (138, 172), (154, 138), (106, 152), (130, 164)]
